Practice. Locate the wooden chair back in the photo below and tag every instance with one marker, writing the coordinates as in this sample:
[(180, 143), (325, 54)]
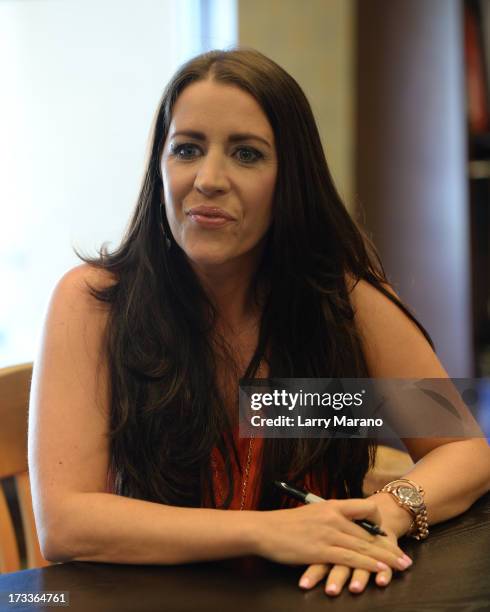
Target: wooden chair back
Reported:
[(14, 400)]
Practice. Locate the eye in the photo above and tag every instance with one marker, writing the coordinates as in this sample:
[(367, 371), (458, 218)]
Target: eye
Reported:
[(185, 151), (248, 155)]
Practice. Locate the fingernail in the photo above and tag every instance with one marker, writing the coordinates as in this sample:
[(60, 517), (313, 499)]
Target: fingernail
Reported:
[(355, 586), (404, 562), (331, 589), (304, 582), (381, 566), (382, 580)]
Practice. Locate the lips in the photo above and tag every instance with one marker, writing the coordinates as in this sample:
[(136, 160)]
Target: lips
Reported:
[(209, 217), (209, 212)]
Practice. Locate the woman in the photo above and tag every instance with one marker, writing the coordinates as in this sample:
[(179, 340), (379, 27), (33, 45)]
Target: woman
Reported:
[(240, 260)]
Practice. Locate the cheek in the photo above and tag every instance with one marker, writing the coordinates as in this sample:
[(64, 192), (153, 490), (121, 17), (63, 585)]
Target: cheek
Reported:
[(170, 186), (176, 183), (171, 199), (261, 199)]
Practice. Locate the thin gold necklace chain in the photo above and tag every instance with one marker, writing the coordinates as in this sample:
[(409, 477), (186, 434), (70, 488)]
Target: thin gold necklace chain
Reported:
[(247, 472), (260, 370), (245, 477), (247, 466)]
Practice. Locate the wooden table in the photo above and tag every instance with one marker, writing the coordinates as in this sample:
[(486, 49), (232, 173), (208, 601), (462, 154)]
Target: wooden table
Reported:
[(451, 571)]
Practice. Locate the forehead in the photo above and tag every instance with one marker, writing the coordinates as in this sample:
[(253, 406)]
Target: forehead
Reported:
[(209, 105)]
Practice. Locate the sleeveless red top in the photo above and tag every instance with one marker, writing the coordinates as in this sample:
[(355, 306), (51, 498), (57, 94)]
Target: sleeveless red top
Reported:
[(247, 483)]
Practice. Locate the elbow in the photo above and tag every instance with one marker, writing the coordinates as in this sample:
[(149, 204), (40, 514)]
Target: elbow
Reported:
[(55, 545), (55, 533), (484, 469), (62, 527), (63, 538), (485, 462), (52, 553)]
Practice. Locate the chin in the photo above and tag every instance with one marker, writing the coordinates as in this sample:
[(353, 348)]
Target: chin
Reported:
[(206, 256)]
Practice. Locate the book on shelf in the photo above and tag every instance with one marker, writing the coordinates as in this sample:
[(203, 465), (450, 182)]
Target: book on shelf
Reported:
[(476, 71), (484, 6)]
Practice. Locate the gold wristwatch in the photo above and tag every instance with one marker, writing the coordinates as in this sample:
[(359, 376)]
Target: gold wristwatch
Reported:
[(410, 496)]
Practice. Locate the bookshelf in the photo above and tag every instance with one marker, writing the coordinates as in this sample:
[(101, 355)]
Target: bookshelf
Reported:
[(477, 70)]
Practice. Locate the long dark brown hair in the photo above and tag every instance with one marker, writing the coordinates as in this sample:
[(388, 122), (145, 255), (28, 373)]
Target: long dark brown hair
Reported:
[(167, 412)]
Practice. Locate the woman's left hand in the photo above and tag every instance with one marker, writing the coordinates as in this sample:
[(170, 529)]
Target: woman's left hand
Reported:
[(339, 575)]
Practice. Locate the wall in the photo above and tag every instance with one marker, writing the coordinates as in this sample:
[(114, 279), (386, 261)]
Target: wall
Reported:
[(314, 42), (80, 83)]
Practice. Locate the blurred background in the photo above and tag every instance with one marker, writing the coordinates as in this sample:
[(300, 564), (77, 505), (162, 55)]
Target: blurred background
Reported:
[(400, 90)]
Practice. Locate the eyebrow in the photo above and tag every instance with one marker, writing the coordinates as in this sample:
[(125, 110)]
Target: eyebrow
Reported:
[(232, 138)]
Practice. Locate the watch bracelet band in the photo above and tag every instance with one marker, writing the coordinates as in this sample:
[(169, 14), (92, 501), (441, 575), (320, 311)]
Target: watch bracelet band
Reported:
[(419, 528)]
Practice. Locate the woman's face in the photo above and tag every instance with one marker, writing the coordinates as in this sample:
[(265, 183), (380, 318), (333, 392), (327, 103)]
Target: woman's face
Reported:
[(219, 169)]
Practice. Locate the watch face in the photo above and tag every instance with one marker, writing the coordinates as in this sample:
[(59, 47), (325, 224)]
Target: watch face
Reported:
[(410, 495)]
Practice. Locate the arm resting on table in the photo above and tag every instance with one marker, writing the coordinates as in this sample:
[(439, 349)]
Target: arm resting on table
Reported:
[(110, 528), (450, 476), (453, 473)]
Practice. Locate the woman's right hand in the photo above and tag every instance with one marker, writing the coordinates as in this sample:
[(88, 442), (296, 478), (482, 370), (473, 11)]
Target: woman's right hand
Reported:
[(324, 532)]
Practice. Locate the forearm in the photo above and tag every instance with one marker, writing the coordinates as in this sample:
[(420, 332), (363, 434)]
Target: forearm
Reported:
[(109, 528), (453, 477)]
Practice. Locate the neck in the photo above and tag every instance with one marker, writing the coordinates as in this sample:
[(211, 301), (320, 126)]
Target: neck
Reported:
[(230, 287)]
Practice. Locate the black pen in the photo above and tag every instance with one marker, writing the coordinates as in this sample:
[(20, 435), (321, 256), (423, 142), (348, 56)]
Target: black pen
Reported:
[(310, 498)]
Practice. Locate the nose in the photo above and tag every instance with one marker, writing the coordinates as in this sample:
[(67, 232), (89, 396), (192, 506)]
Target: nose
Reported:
[(211, 177)]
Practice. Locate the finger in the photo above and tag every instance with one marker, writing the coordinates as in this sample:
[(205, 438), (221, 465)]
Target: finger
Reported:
[(344, 556), (396, 560), (359, 580), (313, 574), (337, 578), (356, 531), (384, 578)]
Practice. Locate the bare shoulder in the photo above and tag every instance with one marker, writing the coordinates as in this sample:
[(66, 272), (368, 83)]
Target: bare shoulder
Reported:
[(73, 338), (75, 323), (393, 344), (73, 333), (74, 287)]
